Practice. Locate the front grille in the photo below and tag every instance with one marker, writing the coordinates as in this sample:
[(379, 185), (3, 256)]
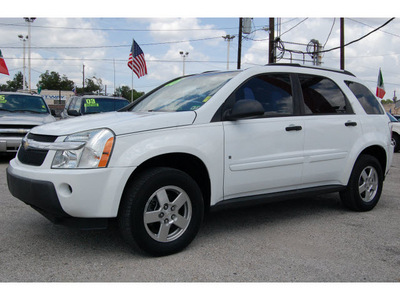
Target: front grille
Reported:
[(14, 130), (35, 157)]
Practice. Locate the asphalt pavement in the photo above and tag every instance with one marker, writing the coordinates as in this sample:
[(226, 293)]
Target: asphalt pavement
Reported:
[(302, 240)]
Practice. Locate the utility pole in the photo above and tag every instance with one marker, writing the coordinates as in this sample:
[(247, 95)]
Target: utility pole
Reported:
[(83, 81), (342, 43), (29, 20), (228, 38), (271, 53), (240, 43)]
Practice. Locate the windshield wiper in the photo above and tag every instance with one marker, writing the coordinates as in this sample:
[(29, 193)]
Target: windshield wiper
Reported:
[(5, 109)]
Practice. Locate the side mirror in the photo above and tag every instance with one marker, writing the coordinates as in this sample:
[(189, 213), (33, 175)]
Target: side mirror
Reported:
[(53, 112), (73, 112), (244, 109)]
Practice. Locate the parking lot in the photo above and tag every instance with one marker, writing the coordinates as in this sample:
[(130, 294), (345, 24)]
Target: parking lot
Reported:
[(301, 240)]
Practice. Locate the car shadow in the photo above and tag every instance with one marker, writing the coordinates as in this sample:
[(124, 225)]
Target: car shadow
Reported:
[(6, 157)]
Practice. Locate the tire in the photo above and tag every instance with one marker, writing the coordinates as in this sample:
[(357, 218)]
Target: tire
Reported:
[(161, 211), (396, 139), (365, 184)]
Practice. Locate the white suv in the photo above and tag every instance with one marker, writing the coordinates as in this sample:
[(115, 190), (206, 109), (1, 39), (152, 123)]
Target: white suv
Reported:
[(208, 141)]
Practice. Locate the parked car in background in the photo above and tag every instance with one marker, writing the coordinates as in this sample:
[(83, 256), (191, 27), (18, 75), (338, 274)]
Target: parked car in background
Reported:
[(19, 113), (395, 132), (92, 104), (205, 142), (64, 113)]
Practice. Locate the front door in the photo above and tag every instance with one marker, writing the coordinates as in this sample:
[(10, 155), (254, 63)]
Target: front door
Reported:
[(264, 154)]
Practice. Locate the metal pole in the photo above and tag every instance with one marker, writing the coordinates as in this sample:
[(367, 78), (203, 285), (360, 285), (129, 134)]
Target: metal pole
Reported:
[(342, 43), (24, 75), (83, 78), (271, 56), (239, 59), (228, 38), (23, 39), (29, 20), (184, 55)]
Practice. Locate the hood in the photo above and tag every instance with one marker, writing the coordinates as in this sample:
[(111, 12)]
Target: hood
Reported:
[(24, 118), (119, 122)]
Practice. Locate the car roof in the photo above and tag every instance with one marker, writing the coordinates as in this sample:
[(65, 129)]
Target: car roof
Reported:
[(101, 96), (21, 94)]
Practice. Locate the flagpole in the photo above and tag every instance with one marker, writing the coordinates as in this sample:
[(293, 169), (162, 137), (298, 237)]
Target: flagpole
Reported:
[(132, 89), (133, 55)]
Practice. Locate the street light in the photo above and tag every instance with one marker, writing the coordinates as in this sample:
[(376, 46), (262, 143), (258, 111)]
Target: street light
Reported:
[(184, 55), (228, 38), (29, 20), (23, 39)]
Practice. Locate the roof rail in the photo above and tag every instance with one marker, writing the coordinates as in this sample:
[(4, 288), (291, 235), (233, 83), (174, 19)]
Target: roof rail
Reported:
[(313, 67)]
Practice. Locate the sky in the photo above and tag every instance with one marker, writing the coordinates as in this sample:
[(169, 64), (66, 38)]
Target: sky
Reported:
[(71, 40)]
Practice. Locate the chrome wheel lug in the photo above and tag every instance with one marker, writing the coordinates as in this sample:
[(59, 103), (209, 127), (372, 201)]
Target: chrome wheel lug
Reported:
[(161, 215)]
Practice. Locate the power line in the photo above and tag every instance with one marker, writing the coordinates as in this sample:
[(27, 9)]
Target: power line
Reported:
[(359, 39), (121, 29), (294, 26), (390, 33), (112, 46), (283, 49), (329, 35)]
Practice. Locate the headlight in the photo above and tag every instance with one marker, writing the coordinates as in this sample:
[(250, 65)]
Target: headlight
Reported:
[(95, 151)]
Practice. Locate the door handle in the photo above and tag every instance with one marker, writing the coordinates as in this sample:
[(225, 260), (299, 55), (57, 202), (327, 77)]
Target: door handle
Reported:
[(293, 128), (350, 123)]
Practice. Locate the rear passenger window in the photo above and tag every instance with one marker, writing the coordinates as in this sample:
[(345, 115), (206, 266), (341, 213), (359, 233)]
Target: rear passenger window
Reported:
[(322, 96), (273, 91), (366, 98)]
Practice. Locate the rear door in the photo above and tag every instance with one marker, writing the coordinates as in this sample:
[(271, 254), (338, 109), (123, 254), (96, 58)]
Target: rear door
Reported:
[(331, 129)]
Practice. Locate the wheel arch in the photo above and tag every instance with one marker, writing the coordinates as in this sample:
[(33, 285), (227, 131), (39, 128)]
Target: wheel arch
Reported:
[(379, 153), (188, 163)]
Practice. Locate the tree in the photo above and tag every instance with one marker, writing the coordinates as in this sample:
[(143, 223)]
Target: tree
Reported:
[(13, 85), (387, 101), (125, 91), (53, 81), (91, 87)]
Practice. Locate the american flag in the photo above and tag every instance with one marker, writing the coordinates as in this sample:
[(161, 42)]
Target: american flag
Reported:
[(136, 60)]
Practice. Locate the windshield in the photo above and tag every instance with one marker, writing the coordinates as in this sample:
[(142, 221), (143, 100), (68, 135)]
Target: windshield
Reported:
[(96, 105), (184, 94), (18, 103)]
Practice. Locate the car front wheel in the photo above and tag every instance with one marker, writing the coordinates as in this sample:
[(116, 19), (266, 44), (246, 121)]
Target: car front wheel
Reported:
[(161, 211)]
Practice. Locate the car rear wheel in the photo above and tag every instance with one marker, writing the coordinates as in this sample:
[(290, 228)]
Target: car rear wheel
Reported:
[(161, 211), (365, 185)]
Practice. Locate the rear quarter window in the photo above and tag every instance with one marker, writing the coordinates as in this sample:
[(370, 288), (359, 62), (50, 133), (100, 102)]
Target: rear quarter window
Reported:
[(366, 98)]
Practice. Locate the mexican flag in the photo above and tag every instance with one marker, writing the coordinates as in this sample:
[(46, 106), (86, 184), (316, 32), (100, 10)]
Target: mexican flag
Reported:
[(380, 89), (3, 67)]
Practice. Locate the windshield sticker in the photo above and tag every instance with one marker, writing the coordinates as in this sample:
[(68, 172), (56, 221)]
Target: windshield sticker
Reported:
[(173, 82), (91, 103), (206, 99), (3, 99), (195, 107)]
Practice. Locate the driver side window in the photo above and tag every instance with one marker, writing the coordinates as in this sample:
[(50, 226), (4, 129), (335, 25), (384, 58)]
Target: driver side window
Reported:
[(273, 91)]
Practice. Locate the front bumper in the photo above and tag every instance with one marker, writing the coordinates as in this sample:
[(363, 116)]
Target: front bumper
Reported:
[(42, 196), (76, 197), (10, 144)]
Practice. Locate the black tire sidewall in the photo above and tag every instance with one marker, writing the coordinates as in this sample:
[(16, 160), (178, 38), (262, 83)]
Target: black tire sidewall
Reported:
[(351, 197), (136, 198)]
